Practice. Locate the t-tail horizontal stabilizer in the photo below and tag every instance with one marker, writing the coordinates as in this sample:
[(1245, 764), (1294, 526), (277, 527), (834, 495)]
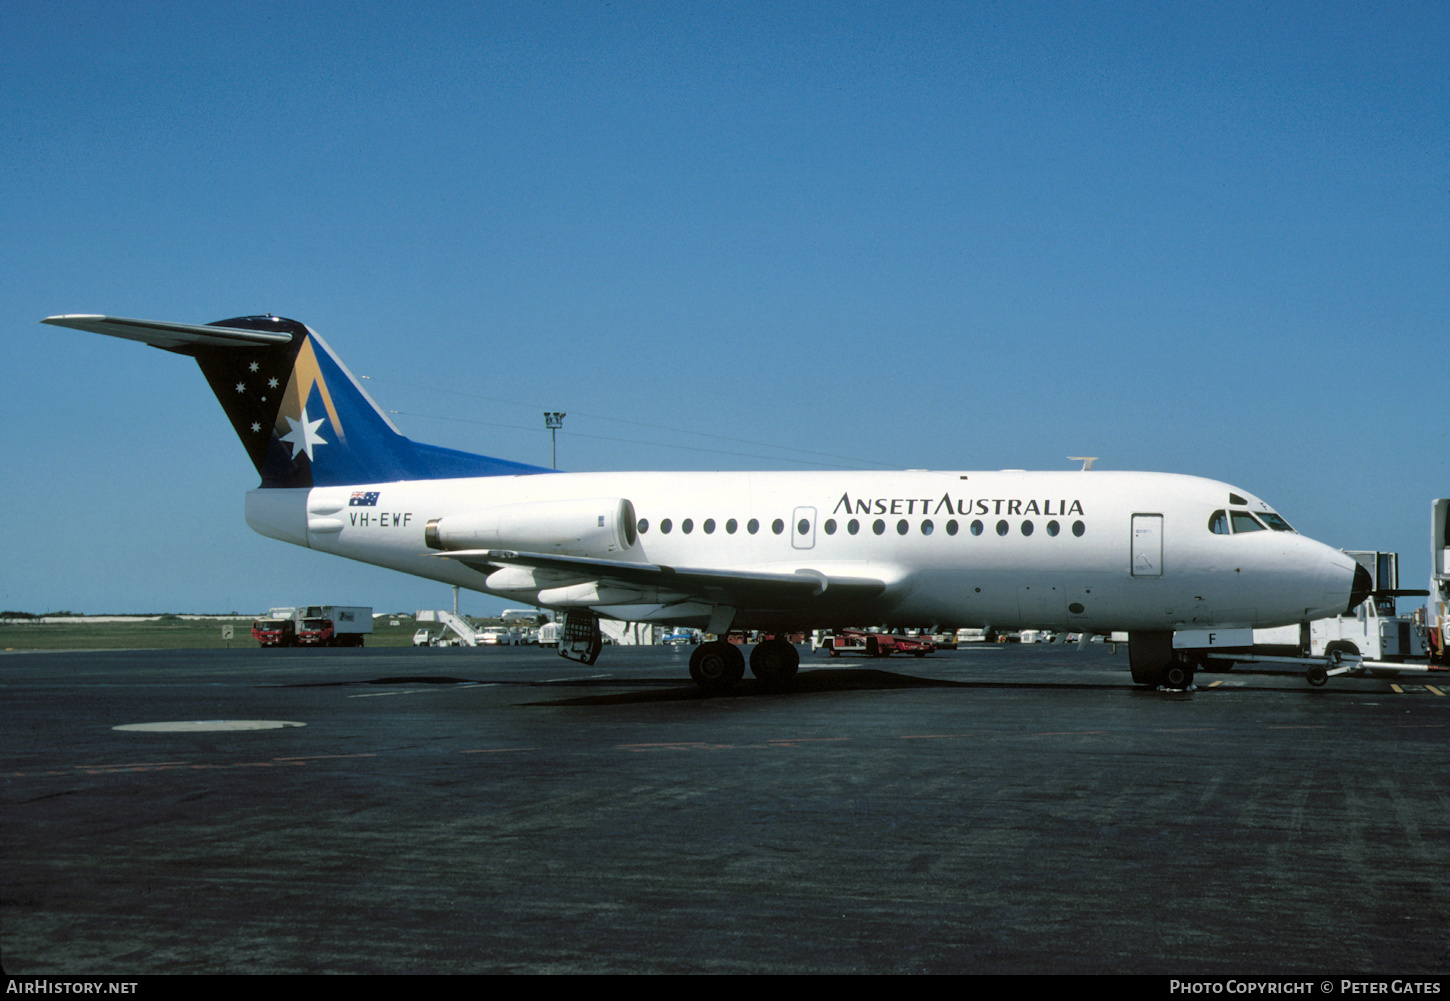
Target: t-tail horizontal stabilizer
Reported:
[(302, 416)]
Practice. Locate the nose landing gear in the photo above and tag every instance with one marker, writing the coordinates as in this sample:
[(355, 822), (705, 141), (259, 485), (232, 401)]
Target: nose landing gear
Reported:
[(1178, 675), (1156, 664)]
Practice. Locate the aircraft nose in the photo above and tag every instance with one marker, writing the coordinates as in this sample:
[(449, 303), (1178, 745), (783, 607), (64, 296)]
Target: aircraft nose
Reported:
[(1360, 589), (1342, 584)]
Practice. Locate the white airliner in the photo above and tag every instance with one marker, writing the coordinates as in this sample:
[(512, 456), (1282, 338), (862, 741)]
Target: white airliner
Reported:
[(1179, 562)]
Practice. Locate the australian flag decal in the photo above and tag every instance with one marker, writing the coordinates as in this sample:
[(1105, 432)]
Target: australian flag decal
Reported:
[(361, 499)]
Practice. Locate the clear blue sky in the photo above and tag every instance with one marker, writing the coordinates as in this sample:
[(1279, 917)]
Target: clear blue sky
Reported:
[(1195, 238)]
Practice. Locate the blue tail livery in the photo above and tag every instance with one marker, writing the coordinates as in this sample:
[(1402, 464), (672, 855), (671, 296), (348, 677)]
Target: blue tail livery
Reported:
[(302, 416)]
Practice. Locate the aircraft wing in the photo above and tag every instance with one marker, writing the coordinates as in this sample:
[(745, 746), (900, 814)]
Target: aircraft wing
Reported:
[(161, 334), (738, 588)]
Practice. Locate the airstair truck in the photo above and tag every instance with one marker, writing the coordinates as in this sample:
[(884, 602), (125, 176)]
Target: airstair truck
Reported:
[(463, 633)]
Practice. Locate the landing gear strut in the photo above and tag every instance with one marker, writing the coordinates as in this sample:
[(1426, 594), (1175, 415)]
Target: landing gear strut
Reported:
[(717, 666)]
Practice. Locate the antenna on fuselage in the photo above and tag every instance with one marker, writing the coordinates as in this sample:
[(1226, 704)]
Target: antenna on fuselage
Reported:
[(1086, 460)]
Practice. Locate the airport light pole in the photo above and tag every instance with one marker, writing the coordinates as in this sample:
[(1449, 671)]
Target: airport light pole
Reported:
[(554, 421)]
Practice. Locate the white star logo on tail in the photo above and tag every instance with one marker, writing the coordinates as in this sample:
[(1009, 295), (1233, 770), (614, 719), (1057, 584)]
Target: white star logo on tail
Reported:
[(304, 435)]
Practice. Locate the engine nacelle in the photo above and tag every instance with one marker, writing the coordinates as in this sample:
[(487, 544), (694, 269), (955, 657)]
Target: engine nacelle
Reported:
[(600, 526)]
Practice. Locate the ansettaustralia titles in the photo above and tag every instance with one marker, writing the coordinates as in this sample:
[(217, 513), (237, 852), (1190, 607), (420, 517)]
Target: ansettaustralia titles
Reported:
[(946, 504)]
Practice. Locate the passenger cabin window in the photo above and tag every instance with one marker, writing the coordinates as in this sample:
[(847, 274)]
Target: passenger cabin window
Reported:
[(1275, 522), (1245, 522), (1218, 523)]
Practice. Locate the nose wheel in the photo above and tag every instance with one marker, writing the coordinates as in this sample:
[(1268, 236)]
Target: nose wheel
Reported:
[(1178, 675)]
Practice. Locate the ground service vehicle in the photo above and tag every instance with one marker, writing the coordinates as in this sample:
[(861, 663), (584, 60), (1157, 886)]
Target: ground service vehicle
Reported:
[(879, 644), (334, 625), (315, 625), (275, 632), (1436, 624)]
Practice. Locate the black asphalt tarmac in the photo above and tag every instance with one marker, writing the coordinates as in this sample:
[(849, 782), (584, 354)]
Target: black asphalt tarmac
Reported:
[(995, 809)]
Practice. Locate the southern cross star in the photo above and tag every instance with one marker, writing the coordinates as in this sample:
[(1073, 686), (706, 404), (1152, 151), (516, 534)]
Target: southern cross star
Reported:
[(304, 435)]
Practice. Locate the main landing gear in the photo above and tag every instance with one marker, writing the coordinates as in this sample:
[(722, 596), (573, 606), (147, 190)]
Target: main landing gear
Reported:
[(774, 662), (718, 666)]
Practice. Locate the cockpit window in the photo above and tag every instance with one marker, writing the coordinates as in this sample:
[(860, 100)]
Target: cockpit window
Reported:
[(1275, 522), (1218, 523), (1245, 522)]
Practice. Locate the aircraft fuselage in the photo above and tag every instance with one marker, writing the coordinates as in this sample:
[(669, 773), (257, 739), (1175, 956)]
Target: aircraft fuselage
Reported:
[(1079, 551)]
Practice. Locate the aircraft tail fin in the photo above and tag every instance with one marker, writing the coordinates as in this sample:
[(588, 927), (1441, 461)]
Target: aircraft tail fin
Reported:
[(304, 419)]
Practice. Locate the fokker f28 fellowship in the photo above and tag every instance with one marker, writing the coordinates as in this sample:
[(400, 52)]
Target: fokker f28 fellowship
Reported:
[(1180, 563)]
